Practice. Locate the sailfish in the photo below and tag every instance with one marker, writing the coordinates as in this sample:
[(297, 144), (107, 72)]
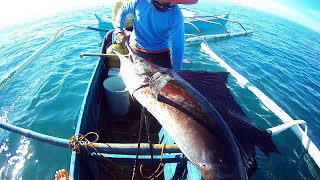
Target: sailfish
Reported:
[(200, 114)]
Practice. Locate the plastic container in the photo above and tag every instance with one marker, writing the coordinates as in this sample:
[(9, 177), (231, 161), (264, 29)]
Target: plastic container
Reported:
[(117, 96), (114, 72)]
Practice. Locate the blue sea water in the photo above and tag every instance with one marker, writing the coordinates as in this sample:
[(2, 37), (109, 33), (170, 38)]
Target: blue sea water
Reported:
[(281, 58)]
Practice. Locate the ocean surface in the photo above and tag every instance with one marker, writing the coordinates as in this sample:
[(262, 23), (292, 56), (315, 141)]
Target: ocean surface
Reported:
[(281, 58)]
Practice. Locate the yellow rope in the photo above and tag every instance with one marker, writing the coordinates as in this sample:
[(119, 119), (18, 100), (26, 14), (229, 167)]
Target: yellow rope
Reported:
[(76, 139), (74, 145), (75, 142), (155, 174)]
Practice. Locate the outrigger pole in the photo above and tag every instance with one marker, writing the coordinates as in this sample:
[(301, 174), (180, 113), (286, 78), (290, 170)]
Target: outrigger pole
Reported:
[(18, 69), (215, 16), (216, 36), (307, 143), (98, 148), (196, 38), (99, 54)]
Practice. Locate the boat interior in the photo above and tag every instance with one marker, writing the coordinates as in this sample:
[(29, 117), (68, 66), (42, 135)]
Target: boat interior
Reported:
[(96, 117)]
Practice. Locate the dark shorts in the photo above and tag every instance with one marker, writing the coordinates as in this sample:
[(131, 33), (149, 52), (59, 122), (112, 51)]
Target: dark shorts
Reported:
[(162, 59)]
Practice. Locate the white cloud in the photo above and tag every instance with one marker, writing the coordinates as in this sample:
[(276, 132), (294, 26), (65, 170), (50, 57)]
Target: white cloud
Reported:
[(281, 10)]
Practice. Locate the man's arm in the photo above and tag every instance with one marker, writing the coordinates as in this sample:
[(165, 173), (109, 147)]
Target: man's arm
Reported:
[(177, 39), (126, 8)]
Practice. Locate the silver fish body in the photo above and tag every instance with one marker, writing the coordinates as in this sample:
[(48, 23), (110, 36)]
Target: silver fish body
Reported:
[(192, 122)]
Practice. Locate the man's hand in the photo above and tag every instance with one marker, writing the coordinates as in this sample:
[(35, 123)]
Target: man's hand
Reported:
[(126, 32), (121, 37)]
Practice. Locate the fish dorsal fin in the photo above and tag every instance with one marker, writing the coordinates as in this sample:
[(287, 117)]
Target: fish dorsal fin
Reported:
[(212, 85)]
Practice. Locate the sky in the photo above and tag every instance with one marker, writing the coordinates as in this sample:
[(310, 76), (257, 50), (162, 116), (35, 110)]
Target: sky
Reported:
[(18, 11), (304, 12)]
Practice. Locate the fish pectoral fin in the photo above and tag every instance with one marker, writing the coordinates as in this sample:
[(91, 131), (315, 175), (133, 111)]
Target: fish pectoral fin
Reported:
[(158, 81), (137, 87)]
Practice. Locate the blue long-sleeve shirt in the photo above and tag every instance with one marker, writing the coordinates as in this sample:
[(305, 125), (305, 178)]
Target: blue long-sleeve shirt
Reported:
[(152, 29)]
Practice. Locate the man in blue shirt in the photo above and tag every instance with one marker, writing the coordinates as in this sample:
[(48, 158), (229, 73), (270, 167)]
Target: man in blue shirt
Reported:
[(155, 23)]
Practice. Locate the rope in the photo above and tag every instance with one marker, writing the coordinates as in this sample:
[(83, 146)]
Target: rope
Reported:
[(148, 135), (156, 173), (114, 177), (143, 111), (75, 143), (76, 139)]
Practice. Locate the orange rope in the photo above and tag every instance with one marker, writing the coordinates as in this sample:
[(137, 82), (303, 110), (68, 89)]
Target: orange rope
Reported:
[(156, 174), (75, 142)]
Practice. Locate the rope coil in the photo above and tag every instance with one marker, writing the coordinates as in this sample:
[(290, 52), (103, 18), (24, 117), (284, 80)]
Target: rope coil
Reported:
[(75, 141)]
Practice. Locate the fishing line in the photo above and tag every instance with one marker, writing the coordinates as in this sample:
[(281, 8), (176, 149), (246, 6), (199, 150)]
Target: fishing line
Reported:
[(146, 120), (142, 117)]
